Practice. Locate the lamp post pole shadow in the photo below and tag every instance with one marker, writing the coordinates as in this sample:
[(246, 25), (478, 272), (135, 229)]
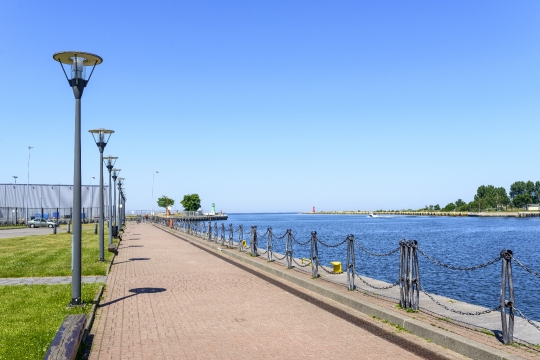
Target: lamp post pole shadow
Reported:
[(78, 61)]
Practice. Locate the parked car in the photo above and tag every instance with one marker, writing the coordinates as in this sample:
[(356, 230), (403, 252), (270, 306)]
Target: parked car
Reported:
[(40, 223)]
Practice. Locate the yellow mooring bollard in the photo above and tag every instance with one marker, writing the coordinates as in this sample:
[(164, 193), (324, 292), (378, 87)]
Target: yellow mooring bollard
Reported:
[(337, 267), (305, 259), (244, 243)]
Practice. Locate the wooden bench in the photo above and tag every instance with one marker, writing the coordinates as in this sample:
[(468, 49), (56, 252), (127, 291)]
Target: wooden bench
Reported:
[(68, 338)]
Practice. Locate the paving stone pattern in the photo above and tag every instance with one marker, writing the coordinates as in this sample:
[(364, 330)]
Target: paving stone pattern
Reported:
[(167, 299)]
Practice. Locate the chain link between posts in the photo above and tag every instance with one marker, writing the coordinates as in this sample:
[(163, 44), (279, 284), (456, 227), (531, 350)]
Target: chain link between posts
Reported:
[(476, 313), (436, 262), (376, 254)]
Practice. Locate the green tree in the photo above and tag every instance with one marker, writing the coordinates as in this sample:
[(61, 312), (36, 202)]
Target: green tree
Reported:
[(486, 196), (437, 207), (536, 198), (521, 200), (517, 188), (522, 193), (191, 202), (464, 207), (502, 197), (449, 207), (165, 201), (459, 203)]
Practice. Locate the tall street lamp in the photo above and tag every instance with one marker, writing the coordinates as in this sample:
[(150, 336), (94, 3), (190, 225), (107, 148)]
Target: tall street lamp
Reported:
[(78, 61), (156, 172), (115, 173), (92, 200), (28, 183), (15, 177), (101, 138), (120, 183), (109, 163)]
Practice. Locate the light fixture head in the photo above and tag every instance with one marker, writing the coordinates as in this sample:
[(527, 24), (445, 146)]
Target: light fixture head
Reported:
[(78, 60), (101, 137), (109, 161)]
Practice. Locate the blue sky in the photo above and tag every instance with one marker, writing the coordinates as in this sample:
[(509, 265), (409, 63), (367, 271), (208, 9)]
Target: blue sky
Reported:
[(279, 105)]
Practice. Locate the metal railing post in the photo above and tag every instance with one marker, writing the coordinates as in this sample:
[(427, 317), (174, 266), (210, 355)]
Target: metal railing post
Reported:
[(269, 245), (222, 234), (289, 249), (351, 262), (253, 241), (507, 326), (314, 255)]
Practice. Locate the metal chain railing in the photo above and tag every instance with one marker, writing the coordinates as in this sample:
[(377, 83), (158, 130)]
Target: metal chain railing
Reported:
[(306, 265), (475, 267), (532, 272), (526, 318), (376, 254), (300, 243), (377, 287), (332, 246), (457, 311)]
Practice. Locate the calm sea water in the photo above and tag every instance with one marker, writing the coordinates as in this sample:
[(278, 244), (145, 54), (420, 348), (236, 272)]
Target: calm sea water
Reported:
[(458, 241)]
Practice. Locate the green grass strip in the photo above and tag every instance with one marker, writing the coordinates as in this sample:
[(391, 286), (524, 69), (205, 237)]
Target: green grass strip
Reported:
[(30, 315), (50, 255)]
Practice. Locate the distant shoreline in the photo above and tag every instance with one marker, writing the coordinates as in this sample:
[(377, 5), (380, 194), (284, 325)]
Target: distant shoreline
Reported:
[(517, 214)]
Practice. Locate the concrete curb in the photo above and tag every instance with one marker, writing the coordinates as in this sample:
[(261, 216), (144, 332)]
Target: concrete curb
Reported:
[(90, 318), (112, 260), (454, 342)]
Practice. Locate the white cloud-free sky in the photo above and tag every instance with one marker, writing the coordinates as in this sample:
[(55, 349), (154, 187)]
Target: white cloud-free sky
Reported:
[(279, 105)]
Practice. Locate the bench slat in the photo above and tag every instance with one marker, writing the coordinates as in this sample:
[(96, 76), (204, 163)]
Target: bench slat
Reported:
[(68, 338)]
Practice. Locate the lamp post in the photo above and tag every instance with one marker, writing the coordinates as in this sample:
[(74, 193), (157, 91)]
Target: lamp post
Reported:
[(123, 206), (120, 183), (92, 200), (109, 163), (15, 177), (77, 82), (28, 183), (115, 173), (156, 172), (120, 194), (101, 138)]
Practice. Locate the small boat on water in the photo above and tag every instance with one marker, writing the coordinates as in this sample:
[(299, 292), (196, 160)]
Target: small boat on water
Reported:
[(371, 215)]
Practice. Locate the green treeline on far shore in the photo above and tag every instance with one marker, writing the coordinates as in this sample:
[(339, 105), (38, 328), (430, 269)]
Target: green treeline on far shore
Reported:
[(491, 198)]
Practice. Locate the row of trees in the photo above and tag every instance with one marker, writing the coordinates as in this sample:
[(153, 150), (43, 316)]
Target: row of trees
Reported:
[(489, 196), (191, 202)]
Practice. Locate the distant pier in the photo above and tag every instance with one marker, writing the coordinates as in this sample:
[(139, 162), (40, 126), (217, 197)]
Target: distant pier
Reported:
[(520, 214)]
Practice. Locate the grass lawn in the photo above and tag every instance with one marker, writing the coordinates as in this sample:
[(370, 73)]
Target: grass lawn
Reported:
[(50, 255), (30, 315)]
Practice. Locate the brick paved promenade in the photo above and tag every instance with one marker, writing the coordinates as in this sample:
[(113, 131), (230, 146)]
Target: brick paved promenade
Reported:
[(167, 299)]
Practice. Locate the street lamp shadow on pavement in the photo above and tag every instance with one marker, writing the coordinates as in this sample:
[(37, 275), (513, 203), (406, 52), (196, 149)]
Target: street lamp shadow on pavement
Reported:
[(132, 259), (135, 291)]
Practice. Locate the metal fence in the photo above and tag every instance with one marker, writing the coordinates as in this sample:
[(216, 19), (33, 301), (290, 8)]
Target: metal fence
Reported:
[(52, 201), (17, 215)]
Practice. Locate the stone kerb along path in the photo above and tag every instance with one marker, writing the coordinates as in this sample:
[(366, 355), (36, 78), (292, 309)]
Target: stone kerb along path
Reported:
[(169, 299)]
